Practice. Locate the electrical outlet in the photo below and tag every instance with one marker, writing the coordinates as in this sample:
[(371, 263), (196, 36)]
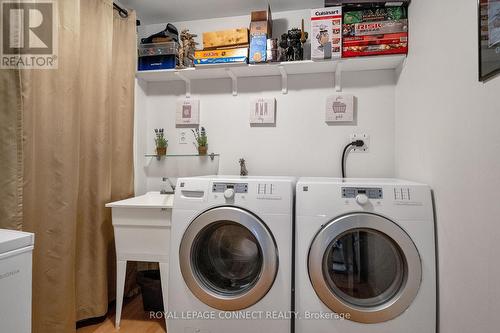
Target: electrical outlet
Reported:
[(360, 136), (182, 137)]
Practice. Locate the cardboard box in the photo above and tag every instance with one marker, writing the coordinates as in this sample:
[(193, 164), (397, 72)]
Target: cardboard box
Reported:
[(326, 33), (225, 38), (261, 15), (260, 30), (375, 31), (228, 56)]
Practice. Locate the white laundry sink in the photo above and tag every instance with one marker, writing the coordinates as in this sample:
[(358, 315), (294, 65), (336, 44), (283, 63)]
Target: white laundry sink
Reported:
[(142, 233), (148, 200)]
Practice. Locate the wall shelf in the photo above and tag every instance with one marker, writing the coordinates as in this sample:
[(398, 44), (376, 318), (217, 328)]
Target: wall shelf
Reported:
[(212, 155), (283, 69)]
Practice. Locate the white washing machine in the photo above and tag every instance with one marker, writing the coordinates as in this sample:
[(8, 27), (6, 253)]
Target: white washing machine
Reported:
[(231, 255), (365, 256), (16, 252)]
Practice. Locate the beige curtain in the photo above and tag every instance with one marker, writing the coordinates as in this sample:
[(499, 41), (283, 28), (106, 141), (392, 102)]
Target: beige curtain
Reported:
[(77, 155), (11, 162)]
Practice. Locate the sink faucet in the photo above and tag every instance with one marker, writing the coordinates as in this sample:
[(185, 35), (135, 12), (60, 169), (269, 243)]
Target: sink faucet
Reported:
[(172, 186)]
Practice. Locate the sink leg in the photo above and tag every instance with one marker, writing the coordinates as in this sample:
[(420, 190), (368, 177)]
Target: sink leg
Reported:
[(164, 286), (121, 270)]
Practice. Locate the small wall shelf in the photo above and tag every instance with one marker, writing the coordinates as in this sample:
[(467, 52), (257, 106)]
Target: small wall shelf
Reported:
[(212, 155), (283, 69)]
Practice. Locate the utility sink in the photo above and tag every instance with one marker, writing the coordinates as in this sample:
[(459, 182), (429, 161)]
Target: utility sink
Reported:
[(148, 200), (142, 233)]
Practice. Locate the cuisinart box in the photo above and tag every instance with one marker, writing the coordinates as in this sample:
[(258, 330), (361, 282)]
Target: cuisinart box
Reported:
[(326, 30)]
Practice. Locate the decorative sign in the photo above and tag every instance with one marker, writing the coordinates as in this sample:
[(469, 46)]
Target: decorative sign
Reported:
[(263, 111), (188, 112), (339, 108)]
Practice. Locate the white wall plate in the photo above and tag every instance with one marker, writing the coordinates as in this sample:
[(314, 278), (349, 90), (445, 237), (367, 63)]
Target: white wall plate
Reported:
[(339, 108), (188, 112), (360, 136)]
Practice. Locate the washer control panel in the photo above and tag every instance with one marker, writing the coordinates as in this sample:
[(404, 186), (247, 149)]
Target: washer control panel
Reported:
[(369, 192), (236, 187)]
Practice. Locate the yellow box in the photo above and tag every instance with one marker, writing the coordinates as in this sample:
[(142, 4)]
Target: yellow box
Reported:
[(210, 57)]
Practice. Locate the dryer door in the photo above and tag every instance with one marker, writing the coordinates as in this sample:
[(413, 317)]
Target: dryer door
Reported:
[(366, 266), (228, 258)]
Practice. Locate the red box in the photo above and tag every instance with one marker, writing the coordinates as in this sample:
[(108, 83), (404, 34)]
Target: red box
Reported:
[(396, 43), (375, 31)]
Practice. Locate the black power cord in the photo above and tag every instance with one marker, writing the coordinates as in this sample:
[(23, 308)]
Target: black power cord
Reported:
[(357, 143)]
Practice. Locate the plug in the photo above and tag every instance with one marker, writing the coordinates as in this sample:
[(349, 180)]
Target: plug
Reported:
[(358, 143)]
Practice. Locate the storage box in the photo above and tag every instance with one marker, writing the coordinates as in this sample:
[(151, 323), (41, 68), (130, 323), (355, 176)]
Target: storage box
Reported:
[(260, 30), (326, 30), (262, 22), (375, 31), (157, 56), (225, 38), (261, 15), (227, 56)]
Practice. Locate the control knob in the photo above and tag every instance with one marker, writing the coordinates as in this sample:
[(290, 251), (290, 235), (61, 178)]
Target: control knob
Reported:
[(362, 199), (229, 193)]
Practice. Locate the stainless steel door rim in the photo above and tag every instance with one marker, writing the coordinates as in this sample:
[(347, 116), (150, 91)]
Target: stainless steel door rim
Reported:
[(267, 248), (379, 308)]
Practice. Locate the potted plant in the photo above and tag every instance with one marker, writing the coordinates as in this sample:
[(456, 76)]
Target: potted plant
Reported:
[(201, 140), (161, 142)]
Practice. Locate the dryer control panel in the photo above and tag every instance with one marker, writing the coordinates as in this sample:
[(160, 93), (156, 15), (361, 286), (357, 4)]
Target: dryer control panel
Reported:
[(236, 187), (370, 192)]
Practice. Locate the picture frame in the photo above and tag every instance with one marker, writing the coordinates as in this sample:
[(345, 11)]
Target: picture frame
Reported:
[(488, 38), (339, 108), (188, 112), (263, 111)]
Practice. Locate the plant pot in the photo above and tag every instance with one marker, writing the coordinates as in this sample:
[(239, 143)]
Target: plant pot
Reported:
[(202, 150), (161, 151)]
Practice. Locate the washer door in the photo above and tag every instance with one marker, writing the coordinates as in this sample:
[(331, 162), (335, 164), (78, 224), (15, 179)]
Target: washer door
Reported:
[(228, 258), (365, 265)]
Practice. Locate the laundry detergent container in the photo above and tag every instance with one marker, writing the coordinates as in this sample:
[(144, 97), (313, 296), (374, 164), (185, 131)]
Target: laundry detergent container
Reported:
[(16, 250)]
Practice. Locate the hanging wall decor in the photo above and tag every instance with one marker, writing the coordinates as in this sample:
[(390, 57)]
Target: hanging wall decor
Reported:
[(188, 112), (263, 111), (489, 38), (339, 108)]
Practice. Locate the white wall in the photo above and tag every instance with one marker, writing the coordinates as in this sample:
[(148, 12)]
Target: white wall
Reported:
[(301, 143), (447, 135)]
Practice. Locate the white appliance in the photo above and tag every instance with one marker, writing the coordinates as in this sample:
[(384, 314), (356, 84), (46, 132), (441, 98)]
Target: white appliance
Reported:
[(16, 250), (365, 256), (231, 255)]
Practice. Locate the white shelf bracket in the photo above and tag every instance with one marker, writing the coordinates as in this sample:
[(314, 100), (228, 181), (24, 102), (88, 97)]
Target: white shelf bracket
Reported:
[(284, 79), (187, 82), (338, 78), (234, 81)]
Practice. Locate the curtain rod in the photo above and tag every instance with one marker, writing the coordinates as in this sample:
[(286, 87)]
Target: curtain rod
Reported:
[(122, 12)]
